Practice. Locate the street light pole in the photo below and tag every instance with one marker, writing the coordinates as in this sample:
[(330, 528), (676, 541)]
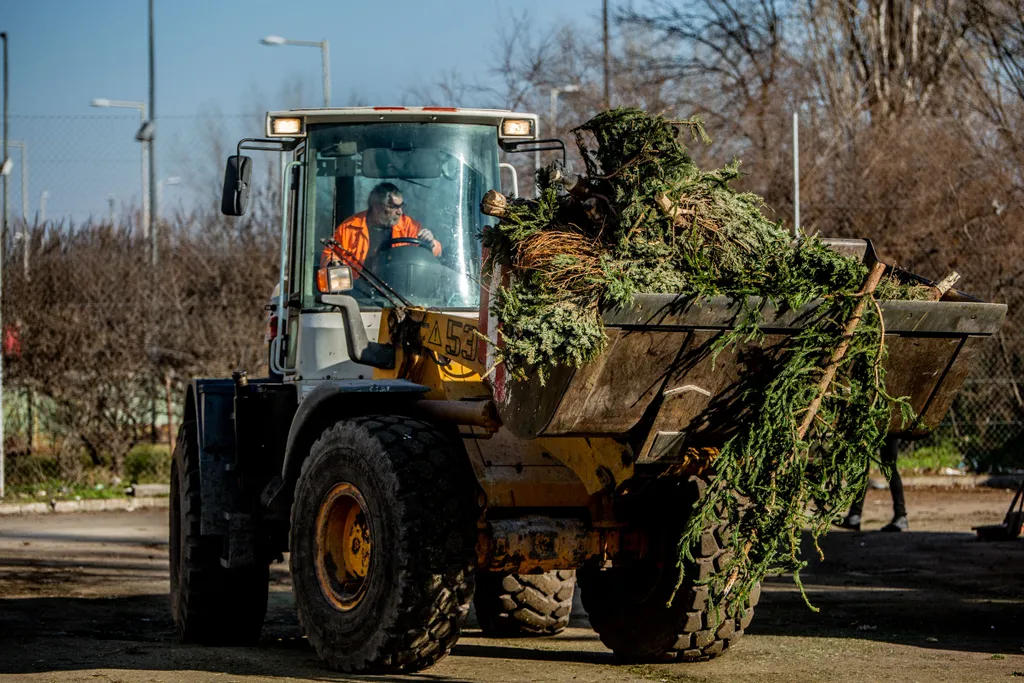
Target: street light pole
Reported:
[(23, 146), (6, 219), (536, 162), (7, 205), (796, 175), (173, 180), (141, 107), (7, 120), (555, 92), (150, 136), (607, 77), (324, 54), (152, 147), (24, 176), (24, 210)]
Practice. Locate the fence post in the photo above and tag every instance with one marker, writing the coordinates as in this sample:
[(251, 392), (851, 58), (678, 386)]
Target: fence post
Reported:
[(170, 409), (796, 175)]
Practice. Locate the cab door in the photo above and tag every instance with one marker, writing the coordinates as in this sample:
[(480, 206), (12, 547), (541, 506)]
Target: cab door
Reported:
[(283, 346), (319, 352)]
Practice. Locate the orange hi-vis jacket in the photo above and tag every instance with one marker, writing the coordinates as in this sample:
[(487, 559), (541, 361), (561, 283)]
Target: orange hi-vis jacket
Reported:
[(354, 236)]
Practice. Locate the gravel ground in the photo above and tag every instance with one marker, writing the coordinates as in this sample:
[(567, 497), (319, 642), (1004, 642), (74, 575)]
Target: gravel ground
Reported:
[(83, 598)]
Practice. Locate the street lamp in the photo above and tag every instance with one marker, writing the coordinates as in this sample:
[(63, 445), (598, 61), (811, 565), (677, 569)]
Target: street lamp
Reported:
[(274, 41), (146, 142), (555, 92)]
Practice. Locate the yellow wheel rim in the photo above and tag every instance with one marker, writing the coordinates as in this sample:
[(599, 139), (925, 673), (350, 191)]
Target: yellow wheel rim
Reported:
[(344, 549)]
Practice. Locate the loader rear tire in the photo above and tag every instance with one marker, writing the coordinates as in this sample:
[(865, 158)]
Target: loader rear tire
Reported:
[(210, 605), (628, 606), (510, 605), (383, 537)]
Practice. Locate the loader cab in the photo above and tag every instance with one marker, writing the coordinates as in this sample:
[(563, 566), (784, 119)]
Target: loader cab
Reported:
[(436, 162), (436, 172)]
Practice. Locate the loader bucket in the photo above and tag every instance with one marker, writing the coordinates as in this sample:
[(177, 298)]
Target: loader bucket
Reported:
[(658, 383)]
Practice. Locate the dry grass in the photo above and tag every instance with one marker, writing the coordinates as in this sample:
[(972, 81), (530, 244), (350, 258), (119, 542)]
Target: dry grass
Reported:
[(569, 258)]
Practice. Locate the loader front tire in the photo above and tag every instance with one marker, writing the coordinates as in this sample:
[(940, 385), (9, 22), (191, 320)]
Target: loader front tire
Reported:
[(210, 605), (510, 605), (628, 606), (383, 533)]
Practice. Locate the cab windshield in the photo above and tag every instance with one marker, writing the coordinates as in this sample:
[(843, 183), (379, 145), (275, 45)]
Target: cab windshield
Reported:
[(430, 177)]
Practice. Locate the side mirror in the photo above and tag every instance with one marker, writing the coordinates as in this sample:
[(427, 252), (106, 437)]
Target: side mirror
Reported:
[(235, 196)]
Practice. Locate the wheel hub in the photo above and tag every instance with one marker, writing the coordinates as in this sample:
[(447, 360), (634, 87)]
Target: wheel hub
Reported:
[(344, 548)]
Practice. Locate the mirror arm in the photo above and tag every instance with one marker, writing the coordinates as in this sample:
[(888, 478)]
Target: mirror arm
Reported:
[(267, 145), (544, 145)]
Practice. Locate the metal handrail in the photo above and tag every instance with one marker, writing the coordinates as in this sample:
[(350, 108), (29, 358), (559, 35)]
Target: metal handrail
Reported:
[(276, 365)]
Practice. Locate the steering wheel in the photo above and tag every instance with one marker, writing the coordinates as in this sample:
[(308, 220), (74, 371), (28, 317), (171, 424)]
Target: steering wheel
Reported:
[(426, 244)]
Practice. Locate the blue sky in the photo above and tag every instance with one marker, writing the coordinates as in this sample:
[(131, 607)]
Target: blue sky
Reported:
[(64, 53)]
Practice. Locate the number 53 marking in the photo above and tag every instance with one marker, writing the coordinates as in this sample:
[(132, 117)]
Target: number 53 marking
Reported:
[(462, 342)]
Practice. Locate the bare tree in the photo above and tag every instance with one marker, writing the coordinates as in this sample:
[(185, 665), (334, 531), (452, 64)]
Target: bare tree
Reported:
[(997, 71), (95, 339), (728, 57), (888, 58)]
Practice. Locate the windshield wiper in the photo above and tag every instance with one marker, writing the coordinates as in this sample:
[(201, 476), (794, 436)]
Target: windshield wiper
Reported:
[(378, 283)]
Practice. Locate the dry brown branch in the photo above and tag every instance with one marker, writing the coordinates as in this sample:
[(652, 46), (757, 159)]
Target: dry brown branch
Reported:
[(569, 258), (829, 372)]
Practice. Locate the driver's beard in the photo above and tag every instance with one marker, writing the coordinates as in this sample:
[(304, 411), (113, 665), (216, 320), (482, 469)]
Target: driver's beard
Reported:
[(382, 219)]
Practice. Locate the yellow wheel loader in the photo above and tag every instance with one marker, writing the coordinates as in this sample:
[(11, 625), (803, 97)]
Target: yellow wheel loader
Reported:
[(402, 469)]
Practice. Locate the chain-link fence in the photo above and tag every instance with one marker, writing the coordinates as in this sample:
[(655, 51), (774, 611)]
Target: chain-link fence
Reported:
[(77, 175), (890, 189), (76, 169), (983, 432), (45, 460), (984, 429)]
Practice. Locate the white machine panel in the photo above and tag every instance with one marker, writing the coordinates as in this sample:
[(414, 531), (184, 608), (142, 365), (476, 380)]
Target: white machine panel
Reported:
[(322, 352)]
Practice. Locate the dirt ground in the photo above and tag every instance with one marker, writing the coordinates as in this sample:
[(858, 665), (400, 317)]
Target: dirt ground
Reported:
[(83, 598)]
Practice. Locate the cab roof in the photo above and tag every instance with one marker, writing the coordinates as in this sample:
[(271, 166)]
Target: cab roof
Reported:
[(402, 114)]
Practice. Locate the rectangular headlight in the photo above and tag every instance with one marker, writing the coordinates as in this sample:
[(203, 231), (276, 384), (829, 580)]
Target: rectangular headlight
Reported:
[(286, 126), (334, 279), (517, 128), (339, 278)]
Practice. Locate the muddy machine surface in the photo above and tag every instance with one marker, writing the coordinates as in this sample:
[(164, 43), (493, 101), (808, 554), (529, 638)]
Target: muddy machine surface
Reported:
[(403, 473)]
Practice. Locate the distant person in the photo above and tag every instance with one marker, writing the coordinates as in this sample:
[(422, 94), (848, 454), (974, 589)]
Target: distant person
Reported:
[(364, 233), (899, 507)]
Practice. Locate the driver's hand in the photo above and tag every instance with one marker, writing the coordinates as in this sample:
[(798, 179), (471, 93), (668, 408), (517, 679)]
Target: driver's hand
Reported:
[(428, 236)]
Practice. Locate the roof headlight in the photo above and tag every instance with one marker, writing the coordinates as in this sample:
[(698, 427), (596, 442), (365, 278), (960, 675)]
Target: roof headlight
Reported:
[(285, 125), (517, 128)]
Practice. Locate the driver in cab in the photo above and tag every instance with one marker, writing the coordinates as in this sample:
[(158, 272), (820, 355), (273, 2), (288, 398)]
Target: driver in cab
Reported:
[(364, 233)]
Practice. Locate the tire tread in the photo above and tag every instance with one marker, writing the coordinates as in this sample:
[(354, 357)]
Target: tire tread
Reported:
[(652, 632), (433, 484), (510, 605), (210, 604)]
